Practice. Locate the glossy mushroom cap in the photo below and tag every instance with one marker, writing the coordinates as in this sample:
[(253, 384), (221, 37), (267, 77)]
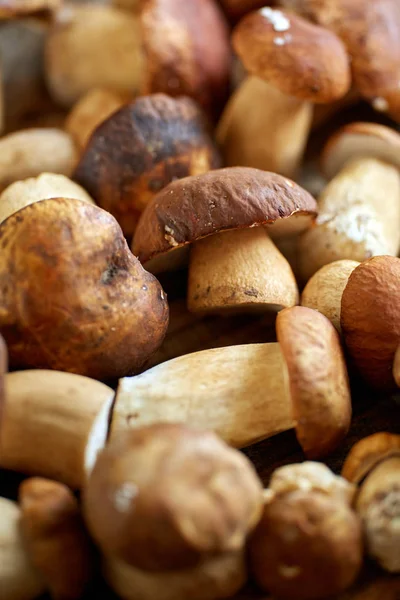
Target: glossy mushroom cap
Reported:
[(278, 46), (221, 200), (370, 319), (140, 149), (318, 379), (166, 497), (73, 298), (366, 454)]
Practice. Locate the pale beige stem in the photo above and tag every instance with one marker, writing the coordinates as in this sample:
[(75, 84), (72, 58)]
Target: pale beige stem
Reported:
[(19, 580), (240, 270), (53, 424), (265, 129), (359, 217), (240, 392), (396, 367)]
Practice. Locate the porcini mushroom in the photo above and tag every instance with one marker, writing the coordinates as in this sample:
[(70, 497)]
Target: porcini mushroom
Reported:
[(374, 464), (140, 149), (167, 497), (250, 392), (73, 297), (233, 264), (268, 119), (359, 210)]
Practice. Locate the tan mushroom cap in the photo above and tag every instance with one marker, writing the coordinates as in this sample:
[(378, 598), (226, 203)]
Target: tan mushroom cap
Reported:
[(366, 454), (220, 200), (318, 379), (360, 140), (370, 318), (396, 367), (299, 58)]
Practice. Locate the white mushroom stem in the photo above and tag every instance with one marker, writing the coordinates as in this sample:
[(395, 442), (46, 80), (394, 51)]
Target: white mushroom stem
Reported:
[(240, 270), (53, 424), (263, 128), (359, 217), (240, 392), (18, 578)]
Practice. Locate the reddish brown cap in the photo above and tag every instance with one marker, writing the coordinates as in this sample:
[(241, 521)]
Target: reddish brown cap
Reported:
[(370, 318), (318, 379), (140, 149), (299, 58), (369, 452), (224, 199)]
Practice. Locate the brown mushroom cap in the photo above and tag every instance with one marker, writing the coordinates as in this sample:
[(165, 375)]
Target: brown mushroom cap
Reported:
[(318, 378), (370, 318), (140, 149), (366, 454), (73, 297), (360, 140), (166, 496), (281, 47), (221, 200)]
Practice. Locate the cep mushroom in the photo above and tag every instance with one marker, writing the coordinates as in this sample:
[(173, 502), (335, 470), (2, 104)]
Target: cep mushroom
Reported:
[(140, 149), (374, 464), (251, 392), (234, 265), (268, 119), (359, 210), (73, 297)]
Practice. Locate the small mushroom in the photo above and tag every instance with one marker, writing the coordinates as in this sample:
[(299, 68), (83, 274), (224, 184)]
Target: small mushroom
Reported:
[(140, 149), (19, 579), (268, 119), (167, 497), (251, 392), (308, 543), (396, 367), (234, 266), (73, 297), (374, 464), (359, 210), (55, 537), (53, 424)]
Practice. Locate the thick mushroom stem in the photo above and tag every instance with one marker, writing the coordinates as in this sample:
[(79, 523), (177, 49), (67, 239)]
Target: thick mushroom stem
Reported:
[(53, 424), (396, 367), (239, 270), (240, 392), (358, 218), (264, 128)]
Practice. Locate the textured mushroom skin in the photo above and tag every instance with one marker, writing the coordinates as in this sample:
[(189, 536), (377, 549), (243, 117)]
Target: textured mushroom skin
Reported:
[(370, 319), (73, 298), (220, 200), (140, 149)]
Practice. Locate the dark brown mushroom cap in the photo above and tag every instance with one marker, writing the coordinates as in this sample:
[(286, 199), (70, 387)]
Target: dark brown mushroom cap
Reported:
[(140, 149), (318, 379), (370, 319), (299, 58), (73, 297), (224, 199), (366, 454)]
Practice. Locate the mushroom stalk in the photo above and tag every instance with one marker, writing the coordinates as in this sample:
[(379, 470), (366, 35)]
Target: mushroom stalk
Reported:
[(239, 270)]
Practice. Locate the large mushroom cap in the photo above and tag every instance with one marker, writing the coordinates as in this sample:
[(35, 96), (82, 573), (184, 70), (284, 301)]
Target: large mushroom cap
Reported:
[(370, 318), (221, 200), (280, 47), (318, 378), (360, 140), (369, 452)]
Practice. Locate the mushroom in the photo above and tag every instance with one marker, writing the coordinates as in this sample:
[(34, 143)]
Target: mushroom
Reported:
[(240, 268), (19, 579), (92, 46), (73, 297), (374, 464), (167, 497), (140, 149), (396, 367), (251, 392), (56, 538), (268, 119), (53, 424), (308, 543), (359, 210)]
